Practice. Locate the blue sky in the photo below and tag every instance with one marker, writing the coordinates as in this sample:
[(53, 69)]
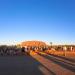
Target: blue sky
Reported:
[(45, 20)]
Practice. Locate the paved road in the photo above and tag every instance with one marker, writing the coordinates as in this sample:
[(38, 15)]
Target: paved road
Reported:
[(33, 65), (19, 65)]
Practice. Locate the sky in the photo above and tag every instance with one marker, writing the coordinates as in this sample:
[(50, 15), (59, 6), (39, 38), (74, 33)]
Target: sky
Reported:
[(44, 20)]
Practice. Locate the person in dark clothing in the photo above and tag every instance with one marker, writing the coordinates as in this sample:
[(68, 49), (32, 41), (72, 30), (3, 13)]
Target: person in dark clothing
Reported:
[(23, 50)]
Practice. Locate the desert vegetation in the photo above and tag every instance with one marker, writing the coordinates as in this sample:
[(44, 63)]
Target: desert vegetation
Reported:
[(9, 50)]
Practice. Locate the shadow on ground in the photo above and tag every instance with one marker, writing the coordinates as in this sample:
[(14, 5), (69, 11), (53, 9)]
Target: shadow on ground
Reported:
[(62, 64), (20, 65)]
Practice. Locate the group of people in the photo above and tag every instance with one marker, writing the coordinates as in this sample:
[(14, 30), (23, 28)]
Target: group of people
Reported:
[(13, 50)]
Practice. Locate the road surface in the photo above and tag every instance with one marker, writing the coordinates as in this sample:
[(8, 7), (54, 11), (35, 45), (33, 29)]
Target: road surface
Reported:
[(39, 64)]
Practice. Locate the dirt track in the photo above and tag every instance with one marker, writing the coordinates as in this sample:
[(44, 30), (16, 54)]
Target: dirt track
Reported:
[(56, 65)]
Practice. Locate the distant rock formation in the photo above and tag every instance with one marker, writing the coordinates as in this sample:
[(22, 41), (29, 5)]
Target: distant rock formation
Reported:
[(33, 43)]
